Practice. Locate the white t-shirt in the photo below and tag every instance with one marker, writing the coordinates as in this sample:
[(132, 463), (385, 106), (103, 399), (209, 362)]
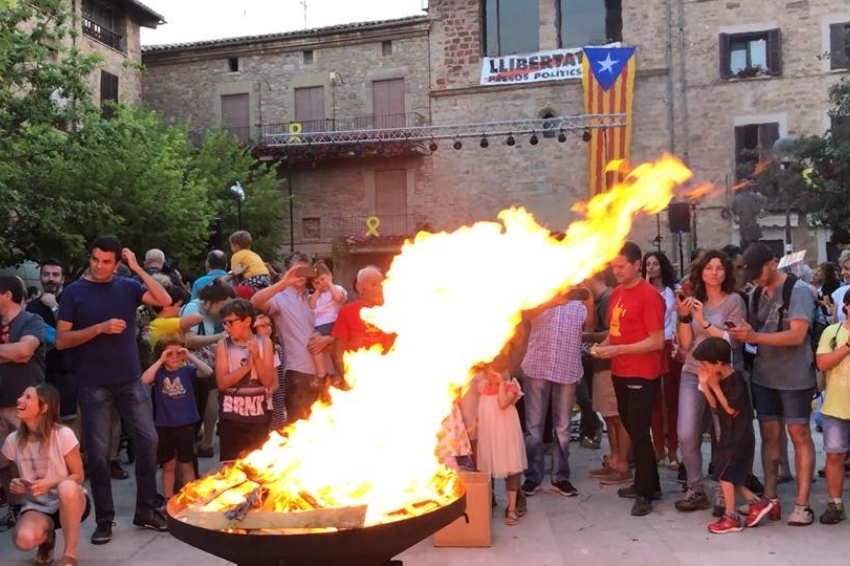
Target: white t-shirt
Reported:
[(838, 301), (326, 308), (36, 461)]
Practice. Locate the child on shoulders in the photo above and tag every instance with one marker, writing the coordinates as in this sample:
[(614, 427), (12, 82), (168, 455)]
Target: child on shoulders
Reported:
[(326, 300), (247, 264)]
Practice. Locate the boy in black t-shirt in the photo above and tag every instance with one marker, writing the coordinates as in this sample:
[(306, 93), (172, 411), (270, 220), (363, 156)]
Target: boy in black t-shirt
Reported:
[(725, 391)]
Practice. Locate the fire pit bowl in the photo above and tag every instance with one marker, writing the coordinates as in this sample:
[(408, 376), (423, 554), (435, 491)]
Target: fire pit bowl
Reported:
[(368, 546)]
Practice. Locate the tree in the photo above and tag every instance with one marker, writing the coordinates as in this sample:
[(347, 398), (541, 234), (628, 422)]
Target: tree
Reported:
[(826, 162), (220, 162)]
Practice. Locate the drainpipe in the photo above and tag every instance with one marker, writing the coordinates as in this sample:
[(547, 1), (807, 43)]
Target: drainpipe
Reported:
[(683, 83), (668, 61)]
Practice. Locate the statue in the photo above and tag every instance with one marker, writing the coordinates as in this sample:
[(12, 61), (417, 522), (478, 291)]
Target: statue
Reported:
[(747, 205)]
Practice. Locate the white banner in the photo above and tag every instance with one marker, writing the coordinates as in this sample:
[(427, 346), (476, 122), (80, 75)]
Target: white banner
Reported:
[(554, 65)]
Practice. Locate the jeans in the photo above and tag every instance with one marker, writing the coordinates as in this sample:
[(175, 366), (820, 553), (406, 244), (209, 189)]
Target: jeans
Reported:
[(635, 398), (691, 410), (562, 397), (96, 405)]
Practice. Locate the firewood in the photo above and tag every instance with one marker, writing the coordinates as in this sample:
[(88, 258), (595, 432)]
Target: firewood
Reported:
[(340, 518)]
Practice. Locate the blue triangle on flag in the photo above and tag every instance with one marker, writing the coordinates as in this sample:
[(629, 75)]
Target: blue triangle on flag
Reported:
[(606, 63)]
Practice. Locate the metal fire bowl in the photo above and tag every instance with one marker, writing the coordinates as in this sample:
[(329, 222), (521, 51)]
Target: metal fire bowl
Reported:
[(369, 546)]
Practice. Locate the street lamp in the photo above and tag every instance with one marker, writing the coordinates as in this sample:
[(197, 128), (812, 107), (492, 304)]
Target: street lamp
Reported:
[(237, 191), (784, 152)]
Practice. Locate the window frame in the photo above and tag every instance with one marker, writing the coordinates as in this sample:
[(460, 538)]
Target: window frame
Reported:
[(773, 39), (485, 32), (839, 30), (612, 23)]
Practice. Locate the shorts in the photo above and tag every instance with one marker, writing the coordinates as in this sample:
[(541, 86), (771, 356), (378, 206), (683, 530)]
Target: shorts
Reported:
[(836, 434), (55, 515), (604, 398), (794, 406), (238, 438), (325, 329), (9, 423), (175, 441)]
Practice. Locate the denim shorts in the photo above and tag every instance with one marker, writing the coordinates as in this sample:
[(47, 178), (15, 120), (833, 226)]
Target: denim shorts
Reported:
[(836, 434), (792, 406)]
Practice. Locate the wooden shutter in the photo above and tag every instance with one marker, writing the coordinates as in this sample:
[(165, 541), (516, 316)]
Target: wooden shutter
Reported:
[(837, 47), (391, 201), (236, 115), (725, 57), (768, 134), (388, 103), (310, 108), (774, 52), (108, 93)]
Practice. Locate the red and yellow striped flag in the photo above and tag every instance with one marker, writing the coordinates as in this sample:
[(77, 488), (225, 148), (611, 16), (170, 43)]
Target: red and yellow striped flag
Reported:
[(608, 78)]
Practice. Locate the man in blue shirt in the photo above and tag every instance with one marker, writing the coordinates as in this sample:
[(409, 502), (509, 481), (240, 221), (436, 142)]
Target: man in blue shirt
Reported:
[(96, 319), (216, 267)]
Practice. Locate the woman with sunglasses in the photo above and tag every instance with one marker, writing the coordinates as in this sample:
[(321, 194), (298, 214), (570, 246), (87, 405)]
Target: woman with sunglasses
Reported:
[(244, 370)]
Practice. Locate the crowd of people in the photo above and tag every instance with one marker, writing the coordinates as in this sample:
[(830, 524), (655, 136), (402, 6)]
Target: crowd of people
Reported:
[(130, 352)]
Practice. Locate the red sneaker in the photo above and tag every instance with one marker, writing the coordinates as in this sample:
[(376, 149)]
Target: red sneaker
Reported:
[(726, 524), (759, 510), (776, 512)]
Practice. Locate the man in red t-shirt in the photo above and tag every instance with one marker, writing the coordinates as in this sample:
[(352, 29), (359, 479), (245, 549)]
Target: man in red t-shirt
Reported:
[(635, 346), (350, 331)]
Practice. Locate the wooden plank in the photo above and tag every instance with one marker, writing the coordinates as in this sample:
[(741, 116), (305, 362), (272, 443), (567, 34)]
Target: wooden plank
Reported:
[(340, 517)]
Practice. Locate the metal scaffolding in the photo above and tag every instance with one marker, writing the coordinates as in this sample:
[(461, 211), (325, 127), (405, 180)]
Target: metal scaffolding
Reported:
[(295, 137)]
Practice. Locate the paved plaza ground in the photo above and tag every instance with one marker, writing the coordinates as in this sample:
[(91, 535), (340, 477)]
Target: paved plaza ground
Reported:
[(594, 528)]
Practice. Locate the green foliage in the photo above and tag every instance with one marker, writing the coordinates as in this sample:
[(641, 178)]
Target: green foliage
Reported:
[(220, 162), (829, 158)]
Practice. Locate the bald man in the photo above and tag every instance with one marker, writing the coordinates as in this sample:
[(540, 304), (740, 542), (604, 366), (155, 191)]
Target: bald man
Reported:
[(155, 263), (350, 331)]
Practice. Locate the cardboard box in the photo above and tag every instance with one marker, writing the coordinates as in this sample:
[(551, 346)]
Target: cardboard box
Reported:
[(473, 529)]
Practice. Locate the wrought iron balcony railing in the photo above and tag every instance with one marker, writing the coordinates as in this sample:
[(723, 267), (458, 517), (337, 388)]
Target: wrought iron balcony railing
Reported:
[(101, 34), (378, 229)]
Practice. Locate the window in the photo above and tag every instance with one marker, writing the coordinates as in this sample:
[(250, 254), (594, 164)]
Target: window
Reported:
[(589, 22), (839, 46), (236, 115), (108, 94), (388, 104), (310, 108), (753, 143), (308, 56), (233, 65), (839, 124), (511, 27), (102, 24), (386, 48), (747, 55)]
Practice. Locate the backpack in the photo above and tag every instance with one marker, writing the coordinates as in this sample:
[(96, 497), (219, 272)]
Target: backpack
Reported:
[(815, 329)]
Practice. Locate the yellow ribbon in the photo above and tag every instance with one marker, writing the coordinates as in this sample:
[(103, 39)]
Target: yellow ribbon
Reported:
[(372, 224), (294, 129)]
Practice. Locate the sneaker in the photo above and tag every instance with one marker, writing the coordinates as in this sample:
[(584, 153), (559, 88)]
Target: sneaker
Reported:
[(615, 478), (726, 524), (642, 506), (631, 493), (754, 485), (681, 475), (102, 533), (801, 516), (117, 472), (153, 520), (758, 510), (600, 473), (693, 501), (565, 488), (834, 514), (529, 487)]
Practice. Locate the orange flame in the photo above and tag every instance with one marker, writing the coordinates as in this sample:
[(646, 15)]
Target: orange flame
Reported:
[(453, 299)]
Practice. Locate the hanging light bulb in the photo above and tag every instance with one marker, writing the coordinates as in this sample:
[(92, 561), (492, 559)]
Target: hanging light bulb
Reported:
[(533, 139), (484, 143), (511, 141), (586, 137), (433, 145), (457, 144), (562, 137)]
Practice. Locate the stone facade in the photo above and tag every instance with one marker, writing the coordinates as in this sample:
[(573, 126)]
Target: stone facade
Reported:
[(682, 105)]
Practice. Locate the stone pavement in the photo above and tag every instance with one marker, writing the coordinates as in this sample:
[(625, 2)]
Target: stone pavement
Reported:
[(593, 528)]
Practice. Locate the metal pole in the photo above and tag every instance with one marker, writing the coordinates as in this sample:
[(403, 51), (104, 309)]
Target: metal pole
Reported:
[(681, 258), (239, 213), (291, 208)]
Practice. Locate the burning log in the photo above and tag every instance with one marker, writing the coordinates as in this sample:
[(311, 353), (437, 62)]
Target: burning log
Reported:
[(253, 501), (340, 518)]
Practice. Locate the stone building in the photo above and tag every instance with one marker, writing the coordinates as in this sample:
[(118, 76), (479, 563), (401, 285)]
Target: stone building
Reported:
[(717, 84)]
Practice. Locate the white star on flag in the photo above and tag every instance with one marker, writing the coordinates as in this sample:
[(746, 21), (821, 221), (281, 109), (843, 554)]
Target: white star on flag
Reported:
[(607, 64)]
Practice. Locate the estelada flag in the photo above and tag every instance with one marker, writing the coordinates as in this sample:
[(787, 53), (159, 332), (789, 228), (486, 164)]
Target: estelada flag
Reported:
[(608, 77)]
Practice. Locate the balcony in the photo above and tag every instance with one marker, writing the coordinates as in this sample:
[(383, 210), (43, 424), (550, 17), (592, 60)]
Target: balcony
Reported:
[(377, 233), (102, 34)]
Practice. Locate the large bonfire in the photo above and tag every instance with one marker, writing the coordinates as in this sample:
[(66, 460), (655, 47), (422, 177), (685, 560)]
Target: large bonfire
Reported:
[(454, 300)]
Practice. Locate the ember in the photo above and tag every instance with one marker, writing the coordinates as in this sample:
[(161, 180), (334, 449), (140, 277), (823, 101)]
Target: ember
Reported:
[(454, 301)]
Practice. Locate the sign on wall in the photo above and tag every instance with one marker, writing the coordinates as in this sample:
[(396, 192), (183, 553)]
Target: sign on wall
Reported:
[(559, 64)]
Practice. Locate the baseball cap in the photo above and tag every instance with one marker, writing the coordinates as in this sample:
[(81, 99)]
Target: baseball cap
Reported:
[(755, 257)]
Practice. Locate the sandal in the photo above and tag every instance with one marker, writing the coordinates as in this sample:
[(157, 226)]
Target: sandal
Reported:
[(511, 518), (68, 561), (45, 549)]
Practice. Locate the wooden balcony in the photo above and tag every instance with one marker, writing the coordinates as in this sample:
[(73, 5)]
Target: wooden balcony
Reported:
[(102, 34)]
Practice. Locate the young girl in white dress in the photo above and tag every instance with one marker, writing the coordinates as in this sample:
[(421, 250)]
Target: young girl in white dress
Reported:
[(501, 447)]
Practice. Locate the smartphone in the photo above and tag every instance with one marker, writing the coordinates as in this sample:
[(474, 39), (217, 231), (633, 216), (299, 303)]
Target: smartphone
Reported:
[(730, 324), (681, 296), (304, 271)]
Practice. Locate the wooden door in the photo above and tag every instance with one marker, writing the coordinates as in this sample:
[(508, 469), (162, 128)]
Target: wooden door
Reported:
[(310, 108), (391, 202), (388, 103), (236, 115)]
